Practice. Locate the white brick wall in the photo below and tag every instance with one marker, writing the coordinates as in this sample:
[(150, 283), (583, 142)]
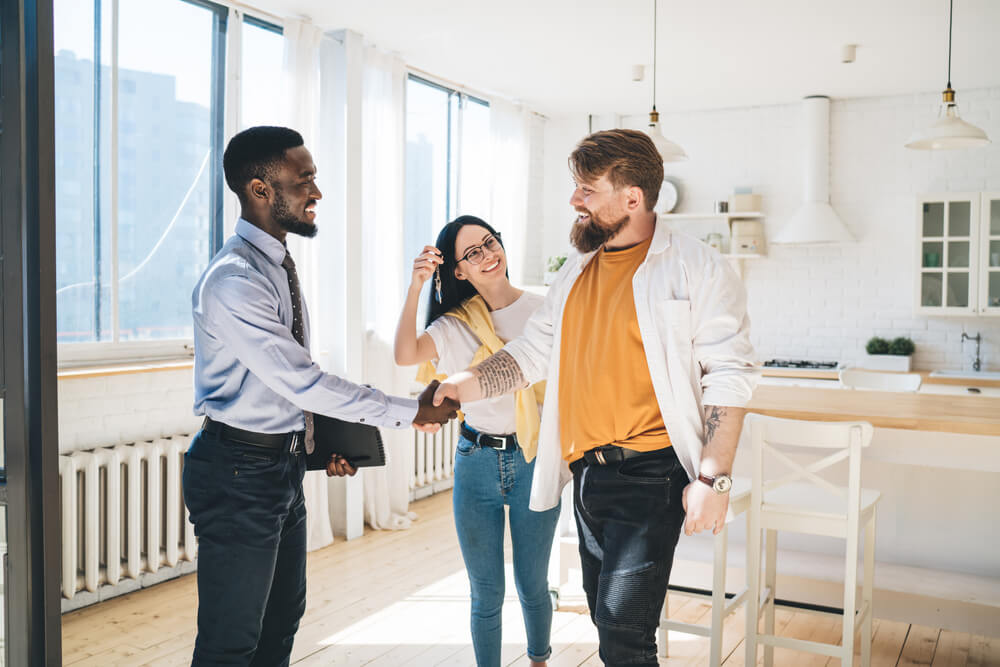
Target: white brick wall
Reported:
[(115, 409), (825, 302)]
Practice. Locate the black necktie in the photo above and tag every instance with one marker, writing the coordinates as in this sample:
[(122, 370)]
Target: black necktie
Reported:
[(298, 333)]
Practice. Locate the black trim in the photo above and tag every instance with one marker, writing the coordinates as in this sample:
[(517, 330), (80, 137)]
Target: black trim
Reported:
[(807, 606), (261, 23), (27, 213)]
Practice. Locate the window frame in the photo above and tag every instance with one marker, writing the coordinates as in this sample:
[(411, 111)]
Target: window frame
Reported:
[(453, 193), (116, 351)]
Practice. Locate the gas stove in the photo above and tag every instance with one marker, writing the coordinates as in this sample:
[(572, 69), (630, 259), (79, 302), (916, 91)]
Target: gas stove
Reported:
[(802, 364)]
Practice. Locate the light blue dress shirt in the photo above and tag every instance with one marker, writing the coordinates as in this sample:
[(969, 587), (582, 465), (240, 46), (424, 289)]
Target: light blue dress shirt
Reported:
[(249, 372)]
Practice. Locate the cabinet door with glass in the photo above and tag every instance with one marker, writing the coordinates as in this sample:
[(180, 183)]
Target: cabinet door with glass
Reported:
[(948, 247), (989, 254)]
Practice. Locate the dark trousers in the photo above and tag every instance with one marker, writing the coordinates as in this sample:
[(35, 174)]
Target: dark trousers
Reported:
[(249, 515), (628, 516)]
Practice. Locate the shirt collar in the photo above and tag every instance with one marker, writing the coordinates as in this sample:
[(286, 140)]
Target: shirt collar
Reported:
[(661, 238), (272, 248)]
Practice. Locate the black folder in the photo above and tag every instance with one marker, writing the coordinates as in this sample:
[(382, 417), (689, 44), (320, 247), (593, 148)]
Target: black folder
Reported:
[(360, 444)]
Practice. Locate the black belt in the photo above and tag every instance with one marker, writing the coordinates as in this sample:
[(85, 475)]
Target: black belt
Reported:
[(606, 454), (501, 442), (293, 442)]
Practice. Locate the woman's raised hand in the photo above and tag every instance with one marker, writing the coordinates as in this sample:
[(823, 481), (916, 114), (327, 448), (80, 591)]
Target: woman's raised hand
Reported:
[(424, 265)]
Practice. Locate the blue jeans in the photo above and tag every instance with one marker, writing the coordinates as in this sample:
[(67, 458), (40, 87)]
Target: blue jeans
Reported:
[(628, 515), (249, 515), (485, 481)]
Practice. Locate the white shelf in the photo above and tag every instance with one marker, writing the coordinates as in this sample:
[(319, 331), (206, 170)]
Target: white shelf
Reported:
[(711, 216)]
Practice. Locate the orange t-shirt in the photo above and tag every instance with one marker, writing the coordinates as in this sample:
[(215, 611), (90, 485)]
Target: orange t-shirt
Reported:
[(605, 391)]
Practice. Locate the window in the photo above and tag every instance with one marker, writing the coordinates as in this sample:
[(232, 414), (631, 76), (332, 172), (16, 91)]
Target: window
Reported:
[(447, 160), (260, 73), (139, 183)]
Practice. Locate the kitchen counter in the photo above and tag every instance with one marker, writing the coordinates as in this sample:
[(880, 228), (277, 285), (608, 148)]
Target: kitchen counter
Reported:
[(973, 415), (815, 374)]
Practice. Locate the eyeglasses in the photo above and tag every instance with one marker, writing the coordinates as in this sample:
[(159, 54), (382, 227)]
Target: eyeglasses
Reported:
[(475, 254)]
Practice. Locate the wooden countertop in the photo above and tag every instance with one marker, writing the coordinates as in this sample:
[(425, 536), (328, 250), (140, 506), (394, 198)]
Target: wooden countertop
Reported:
[(813, 374), (977, 415)]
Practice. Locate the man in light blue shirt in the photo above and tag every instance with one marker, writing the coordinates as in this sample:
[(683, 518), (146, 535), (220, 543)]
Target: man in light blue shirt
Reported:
[(258, 388)]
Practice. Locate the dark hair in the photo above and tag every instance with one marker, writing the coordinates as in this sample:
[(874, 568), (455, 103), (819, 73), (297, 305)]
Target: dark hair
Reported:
[(256, 153), (628, 157), (453, 291)]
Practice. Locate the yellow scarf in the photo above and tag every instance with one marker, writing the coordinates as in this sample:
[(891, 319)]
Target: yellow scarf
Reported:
[(476, 315)]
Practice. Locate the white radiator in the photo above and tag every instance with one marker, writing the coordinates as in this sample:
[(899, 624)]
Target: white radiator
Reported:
[(123, 514), (433, 460)]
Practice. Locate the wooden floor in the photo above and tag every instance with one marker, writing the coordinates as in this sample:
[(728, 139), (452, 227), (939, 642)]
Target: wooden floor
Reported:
[(416, 614)]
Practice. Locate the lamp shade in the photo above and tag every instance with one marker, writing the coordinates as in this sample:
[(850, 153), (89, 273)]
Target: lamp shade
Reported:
[(948, 132), (669, 151)]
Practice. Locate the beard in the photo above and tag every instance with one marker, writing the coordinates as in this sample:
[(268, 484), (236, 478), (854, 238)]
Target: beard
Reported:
[(291, 223), (594, 233)]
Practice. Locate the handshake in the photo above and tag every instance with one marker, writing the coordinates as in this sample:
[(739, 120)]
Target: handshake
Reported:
[(430, 417)]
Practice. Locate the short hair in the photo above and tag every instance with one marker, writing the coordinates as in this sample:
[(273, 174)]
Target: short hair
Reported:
[(628, 158), (256, 153)]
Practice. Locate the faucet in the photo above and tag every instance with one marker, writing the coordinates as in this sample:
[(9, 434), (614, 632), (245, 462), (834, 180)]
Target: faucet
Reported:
[(977, 364)]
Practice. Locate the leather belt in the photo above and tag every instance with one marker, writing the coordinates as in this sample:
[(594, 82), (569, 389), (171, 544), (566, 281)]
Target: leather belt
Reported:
[(499, 442), (606, 454), (292, 442)]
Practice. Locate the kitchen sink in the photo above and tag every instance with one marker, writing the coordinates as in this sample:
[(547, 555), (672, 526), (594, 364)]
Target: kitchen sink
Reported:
[(967, 375)]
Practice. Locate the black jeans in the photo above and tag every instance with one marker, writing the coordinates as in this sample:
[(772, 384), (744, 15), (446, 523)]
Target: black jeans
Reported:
[(249, 515), (628, 516)]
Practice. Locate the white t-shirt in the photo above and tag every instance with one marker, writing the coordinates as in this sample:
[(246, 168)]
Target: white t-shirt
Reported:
[(457, 345)]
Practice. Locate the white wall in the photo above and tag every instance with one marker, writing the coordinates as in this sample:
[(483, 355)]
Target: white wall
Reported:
[(116, 409), (825, 302)]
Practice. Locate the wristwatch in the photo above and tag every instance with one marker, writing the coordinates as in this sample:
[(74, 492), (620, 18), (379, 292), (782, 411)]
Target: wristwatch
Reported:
[(719, 483)]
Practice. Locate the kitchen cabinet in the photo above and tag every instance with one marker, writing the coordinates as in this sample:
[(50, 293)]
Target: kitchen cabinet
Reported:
[(958, 254)]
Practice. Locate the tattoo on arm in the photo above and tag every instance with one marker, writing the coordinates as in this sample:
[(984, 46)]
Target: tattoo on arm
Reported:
[(499, 375), (712, 421)]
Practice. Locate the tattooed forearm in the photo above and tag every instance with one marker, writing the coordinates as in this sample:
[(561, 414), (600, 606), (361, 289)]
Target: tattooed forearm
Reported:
[(499, 375), (713, 417)]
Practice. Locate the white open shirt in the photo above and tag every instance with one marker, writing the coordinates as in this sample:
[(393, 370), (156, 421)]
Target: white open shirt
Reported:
[(691, 309)]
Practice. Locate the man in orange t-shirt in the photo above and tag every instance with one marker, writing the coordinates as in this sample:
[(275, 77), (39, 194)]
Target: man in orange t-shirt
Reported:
[(644, 341)]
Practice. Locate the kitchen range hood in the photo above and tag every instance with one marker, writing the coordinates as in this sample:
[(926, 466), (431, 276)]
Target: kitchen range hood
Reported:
[(815, 221)]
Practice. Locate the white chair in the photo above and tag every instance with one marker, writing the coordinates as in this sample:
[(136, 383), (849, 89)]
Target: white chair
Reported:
[(854, 378), (813, 506), (739, 501)]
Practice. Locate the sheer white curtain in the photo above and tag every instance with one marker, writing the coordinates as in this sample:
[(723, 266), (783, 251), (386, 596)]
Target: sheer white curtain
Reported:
[(383, 77), (300, 110), (510, 135)]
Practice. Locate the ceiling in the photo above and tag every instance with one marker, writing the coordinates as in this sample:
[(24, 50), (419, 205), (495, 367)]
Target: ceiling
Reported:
[(562, 57)]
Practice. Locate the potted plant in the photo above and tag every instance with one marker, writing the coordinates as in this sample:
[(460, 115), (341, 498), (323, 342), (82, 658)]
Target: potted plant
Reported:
[(894, 355), (552, 267)]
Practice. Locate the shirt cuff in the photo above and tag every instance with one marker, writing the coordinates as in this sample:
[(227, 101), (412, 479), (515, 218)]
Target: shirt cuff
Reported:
[(399, 412)]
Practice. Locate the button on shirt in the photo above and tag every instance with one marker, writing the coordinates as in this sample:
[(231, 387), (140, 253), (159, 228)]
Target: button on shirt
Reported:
[(249, 371)]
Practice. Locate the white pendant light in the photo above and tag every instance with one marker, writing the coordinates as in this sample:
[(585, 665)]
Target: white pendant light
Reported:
[(669, 151), (949, 131)]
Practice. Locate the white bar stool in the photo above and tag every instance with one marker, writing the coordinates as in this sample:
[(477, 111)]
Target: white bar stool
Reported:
[(739, 502), (814, 507)]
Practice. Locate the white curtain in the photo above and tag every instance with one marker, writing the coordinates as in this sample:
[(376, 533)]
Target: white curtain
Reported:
[(300, 107), (510, 135), (383, 77)]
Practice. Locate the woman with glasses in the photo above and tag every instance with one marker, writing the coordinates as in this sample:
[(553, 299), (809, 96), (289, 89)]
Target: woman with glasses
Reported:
[(473, 310)]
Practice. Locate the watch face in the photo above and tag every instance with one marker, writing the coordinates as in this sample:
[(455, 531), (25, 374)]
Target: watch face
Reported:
[(722, 484)]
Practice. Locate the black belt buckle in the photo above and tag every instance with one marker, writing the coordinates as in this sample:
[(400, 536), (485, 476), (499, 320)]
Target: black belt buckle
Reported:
[(296, 445), (501, 448)]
